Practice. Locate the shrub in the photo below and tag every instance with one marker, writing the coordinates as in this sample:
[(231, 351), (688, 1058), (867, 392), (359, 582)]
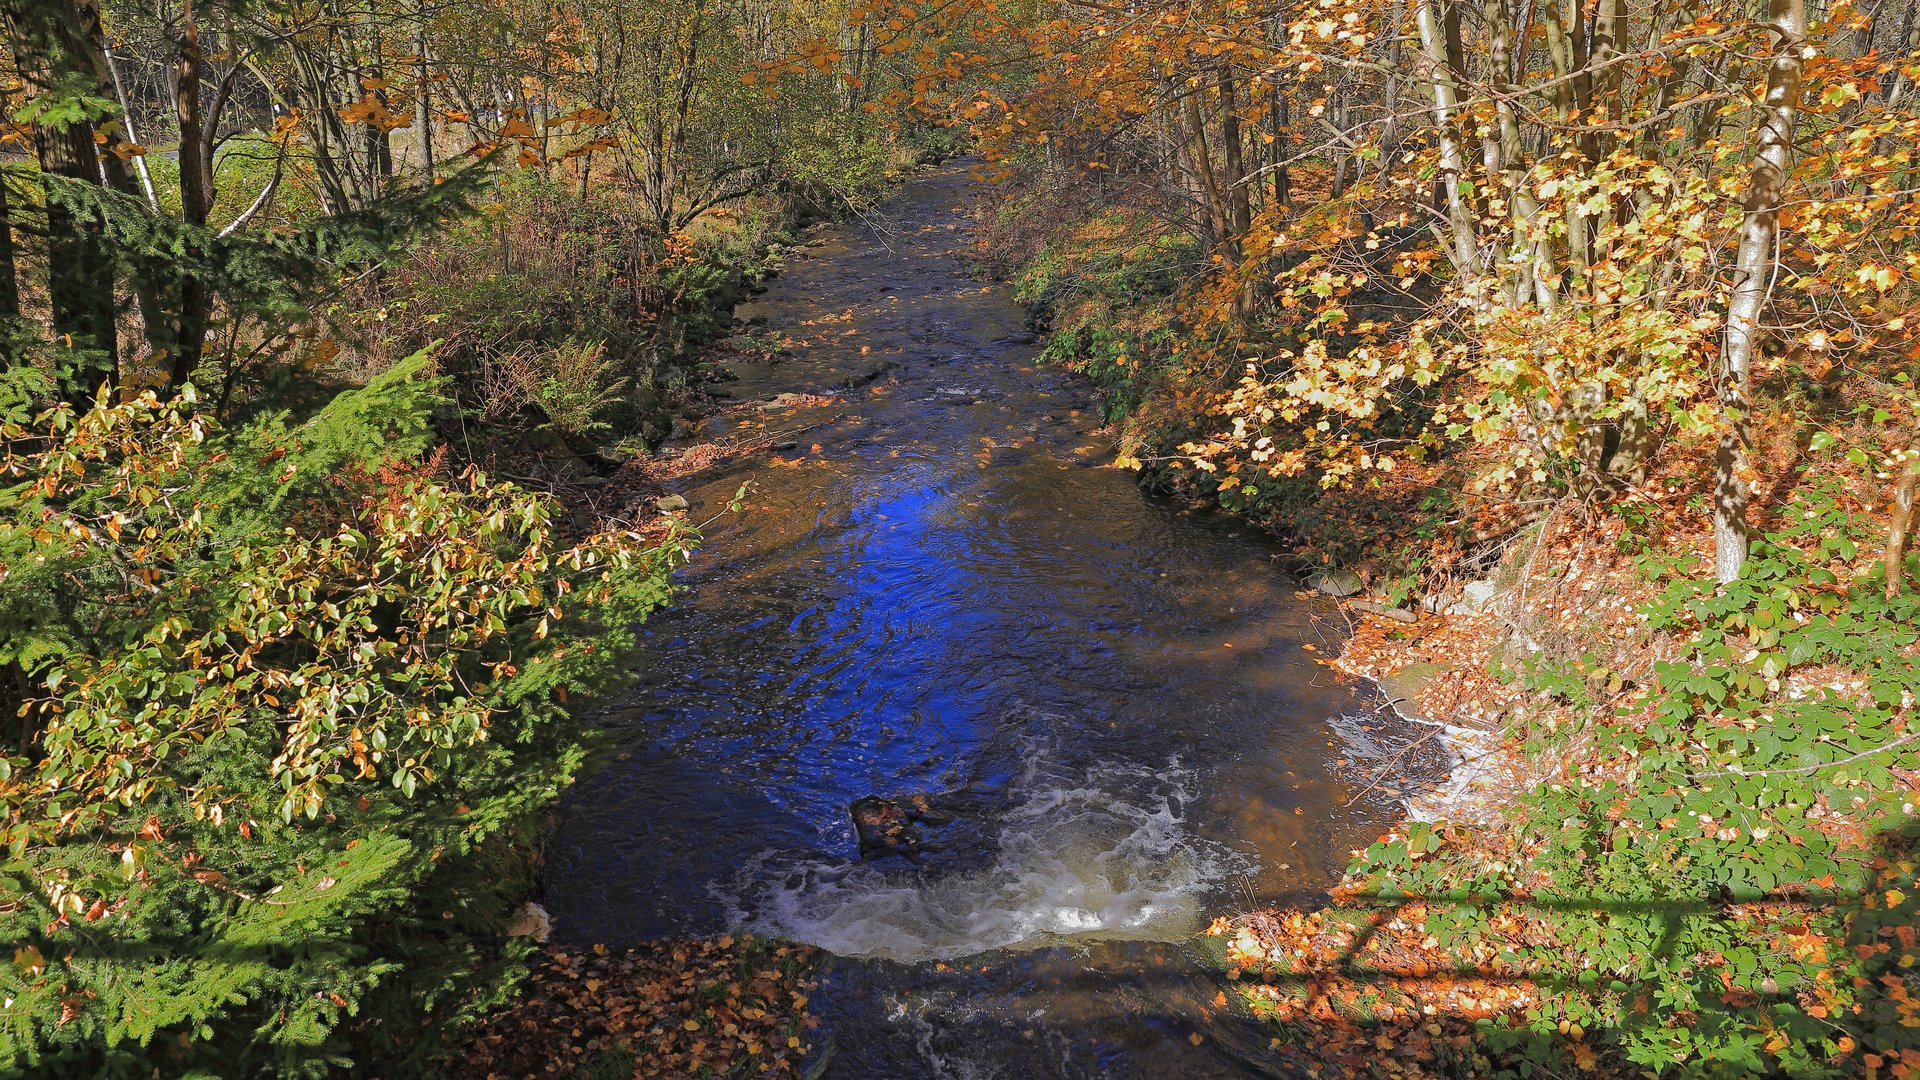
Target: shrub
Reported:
[(284, 703), (574, 385), (1731, 891), (559, 312)]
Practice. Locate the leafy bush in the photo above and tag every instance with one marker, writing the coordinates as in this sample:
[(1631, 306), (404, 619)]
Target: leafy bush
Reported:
[(843, 163), (1119, 361), (1103, 261), (1735, 893), (285, 704)]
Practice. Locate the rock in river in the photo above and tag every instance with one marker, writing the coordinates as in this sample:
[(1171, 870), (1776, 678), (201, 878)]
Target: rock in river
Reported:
[(886, 826)]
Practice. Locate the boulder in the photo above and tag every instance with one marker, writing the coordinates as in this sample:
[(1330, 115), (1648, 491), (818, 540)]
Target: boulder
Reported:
[(670, 503), (1375, 607), (1402, 689), (1336, 582), (1475, 598), (531, 921)]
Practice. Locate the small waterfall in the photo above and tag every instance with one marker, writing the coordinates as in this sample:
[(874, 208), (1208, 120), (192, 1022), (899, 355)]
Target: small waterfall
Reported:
[(1098, 853)]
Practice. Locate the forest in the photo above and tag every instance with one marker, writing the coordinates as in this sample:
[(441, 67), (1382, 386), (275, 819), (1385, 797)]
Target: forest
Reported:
[(1316, 537)]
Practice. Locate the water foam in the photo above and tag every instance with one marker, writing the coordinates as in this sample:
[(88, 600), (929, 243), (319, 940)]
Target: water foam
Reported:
[(1098, 855)]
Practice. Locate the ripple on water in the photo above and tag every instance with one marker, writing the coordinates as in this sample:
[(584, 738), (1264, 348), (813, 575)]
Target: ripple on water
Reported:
[(1077, 854)]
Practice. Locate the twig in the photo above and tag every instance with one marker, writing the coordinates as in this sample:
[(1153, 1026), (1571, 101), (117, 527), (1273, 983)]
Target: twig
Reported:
[(1735, 770), (1393, 765)]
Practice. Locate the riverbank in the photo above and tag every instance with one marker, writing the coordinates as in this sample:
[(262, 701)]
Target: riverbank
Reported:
[(1678, 835), (731, 1006), (576, 341)]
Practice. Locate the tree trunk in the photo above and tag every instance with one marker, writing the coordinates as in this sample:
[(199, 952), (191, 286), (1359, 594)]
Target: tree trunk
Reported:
[(9, 279), (1464, 243), (1900, 531), (1239, 199), (1239, 191), (1200, 164), (1752, 281), (54, 48), (1527, 281), (379, 137), (1629, 459), (126, 121), (196, 194), (423, 98), (1282, 177), (1908, 40)]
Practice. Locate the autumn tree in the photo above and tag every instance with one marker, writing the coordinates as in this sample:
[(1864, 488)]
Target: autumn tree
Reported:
[(275, 672), (1587, 217)]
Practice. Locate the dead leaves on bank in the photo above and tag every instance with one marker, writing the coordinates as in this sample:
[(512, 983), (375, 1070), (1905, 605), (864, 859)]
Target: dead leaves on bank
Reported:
[(1378, 992), (721, 1007)]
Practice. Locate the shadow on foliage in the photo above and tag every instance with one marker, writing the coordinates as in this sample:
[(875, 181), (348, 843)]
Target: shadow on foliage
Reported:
[(1801, 981)]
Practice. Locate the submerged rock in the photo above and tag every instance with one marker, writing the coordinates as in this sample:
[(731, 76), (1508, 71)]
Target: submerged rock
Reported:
[(670, 503), (784, 401)]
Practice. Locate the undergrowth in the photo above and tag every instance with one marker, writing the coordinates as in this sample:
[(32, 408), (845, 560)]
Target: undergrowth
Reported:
[(1724, 884)]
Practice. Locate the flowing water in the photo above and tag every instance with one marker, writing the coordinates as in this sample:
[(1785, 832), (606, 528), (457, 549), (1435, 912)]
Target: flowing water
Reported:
[(944, 587)]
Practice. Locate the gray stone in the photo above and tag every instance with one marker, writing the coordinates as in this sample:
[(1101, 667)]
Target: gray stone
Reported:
[(1475, 598), (531, 921), (670, 503), (1375, 607), (1338, 583)]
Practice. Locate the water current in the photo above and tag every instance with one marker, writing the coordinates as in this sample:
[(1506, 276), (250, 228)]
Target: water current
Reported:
[(944, 587)]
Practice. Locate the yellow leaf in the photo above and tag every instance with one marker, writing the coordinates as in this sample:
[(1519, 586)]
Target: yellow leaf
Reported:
[(29, 960)]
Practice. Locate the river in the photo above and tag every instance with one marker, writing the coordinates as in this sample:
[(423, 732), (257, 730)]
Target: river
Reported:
[(945, 587)]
